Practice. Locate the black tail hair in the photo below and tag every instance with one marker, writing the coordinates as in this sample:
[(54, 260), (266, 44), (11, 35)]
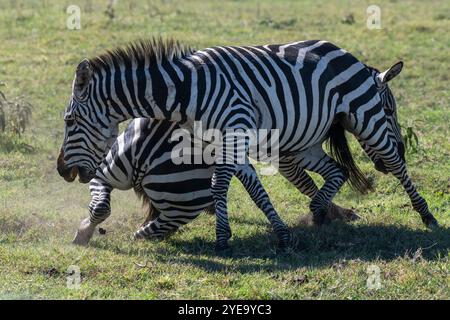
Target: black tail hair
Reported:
[(149, 211), (340, 151)]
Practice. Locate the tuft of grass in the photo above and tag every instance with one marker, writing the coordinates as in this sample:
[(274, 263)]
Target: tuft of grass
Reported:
[(110, 11), (348, 18), (15, 114), (282, 24), (411, 140)]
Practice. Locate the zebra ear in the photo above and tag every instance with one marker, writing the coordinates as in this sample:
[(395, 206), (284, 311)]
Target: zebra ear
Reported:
[(82, 77), (390, 73)]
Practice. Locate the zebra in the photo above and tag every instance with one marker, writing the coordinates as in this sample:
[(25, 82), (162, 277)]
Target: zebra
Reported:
[(173, 195), (311, 91)]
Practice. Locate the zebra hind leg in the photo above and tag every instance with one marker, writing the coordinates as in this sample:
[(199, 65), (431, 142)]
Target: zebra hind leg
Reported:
[(164, 225), (295, 174), (337, 212), (334, 175), (321, 203)]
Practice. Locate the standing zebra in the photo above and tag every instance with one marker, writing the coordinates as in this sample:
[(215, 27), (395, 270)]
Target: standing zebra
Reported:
[(308, 90), (173, 194)]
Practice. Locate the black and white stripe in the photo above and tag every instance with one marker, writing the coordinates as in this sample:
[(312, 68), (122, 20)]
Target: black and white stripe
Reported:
[(141, 158), (304, 89)]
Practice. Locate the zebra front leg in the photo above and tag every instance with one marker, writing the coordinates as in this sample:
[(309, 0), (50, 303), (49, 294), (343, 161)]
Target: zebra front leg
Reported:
[(398, 168), (247, 175), (295, 174), (335, 177), (99, 210)]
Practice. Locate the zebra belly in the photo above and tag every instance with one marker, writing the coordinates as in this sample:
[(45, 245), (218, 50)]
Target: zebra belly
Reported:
[(178, 189)]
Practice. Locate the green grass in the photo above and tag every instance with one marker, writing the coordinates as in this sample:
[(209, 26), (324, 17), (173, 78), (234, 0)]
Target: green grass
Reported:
[(39, 212)]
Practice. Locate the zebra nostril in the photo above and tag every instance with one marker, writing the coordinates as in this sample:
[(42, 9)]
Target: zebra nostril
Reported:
[(69, 174), (60, 164)]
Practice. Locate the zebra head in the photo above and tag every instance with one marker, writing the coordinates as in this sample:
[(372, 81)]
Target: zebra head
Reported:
[(88, 135), (390, 110)]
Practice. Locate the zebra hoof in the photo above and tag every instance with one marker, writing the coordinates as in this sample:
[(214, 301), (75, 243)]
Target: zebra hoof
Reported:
[(430, 222), (352, 215), (284, 249), (80, 240), (320, 218), (224, 251), (349, 215), (84, 233), (336, 212), (285, 240)]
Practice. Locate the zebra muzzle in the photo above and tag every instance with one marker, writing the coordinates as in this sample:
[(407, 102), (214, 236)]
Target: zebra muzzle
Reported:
[(85, 175), (69, 174)]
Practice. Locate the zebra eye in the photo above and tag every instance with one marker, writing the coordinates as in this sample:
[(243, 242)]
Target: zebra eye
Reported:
[(388, 112)]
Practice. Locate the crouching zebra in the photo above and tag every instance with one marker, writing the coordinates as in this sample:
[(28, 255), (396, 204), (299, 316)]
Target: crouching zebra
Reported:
[(173, 195), (308, 90)]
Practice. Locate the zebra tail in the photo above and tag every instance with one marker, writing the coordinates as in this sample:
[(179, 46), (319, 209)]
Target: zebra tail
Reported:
[(341, 152), (150, 213)]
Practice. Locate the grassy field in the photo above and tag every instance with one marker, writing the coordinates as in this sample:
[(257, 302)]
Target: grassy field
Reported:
[(39, 212)]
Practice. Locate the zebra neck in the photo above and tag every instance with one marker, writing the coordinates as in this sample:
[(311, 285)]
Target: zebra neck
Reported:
[(165, 93)]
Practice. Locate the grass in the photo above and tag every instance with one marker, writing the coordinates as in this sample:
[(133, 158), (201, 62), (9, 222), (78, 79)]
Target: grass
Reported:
[(39, 212)]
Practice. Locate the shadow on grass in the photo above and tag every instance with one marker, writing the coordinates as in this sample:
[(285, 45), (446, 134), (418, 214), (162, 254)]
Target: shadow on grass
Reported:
[(328, 246)]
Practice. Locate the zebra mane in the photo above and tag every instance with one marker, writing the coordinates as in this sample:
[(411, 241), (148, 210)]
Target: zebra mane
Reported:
[(372, 70), (154, 50)]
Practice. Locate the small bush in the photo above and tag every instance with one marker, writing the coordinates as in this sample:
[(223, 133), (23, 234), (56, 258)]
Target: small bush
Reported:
[(15, 114), (110, 12), (348, 18), (411, 140), (282, 24)]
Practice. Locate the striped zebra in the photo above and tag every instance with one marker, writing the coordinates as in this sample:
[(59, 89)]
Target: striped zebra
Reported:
[(173, 195), (310, 91)]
